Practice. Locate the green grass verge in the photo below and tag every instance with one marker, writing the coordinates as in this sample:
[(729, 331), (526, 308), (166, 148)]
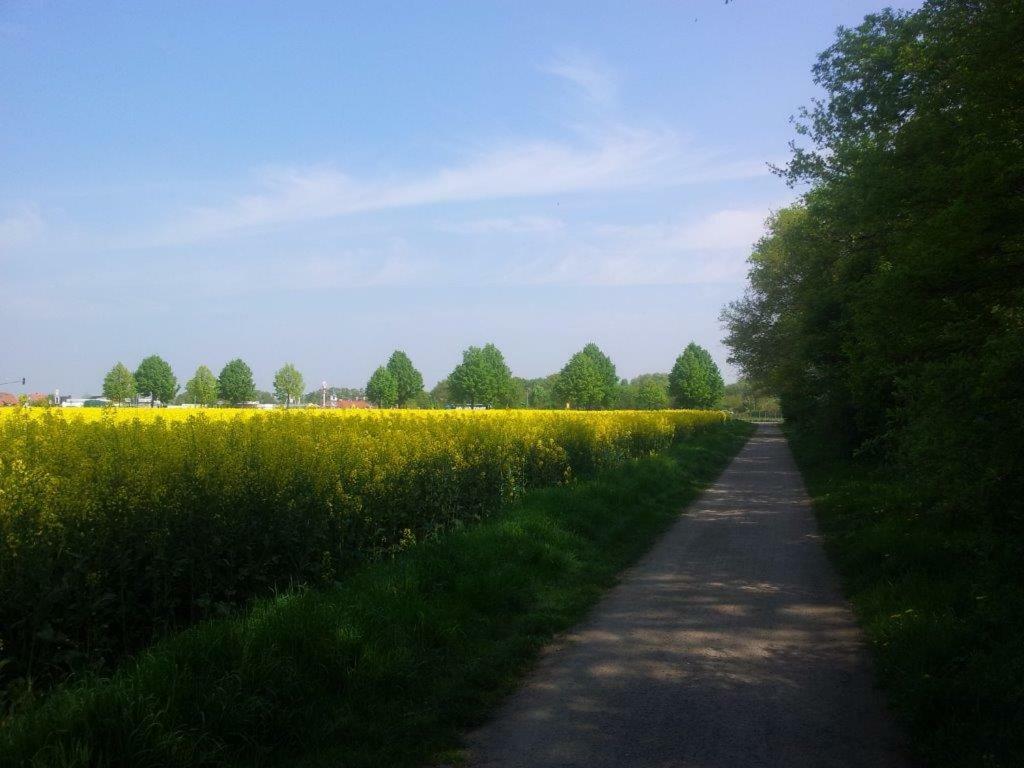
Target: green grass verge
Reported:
[(941, 599), (388, 668)]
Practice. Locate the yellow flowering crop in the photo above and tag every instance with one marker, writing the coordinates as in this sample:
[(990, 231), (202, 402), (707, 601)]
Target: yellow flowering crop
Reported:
[(118, 524)]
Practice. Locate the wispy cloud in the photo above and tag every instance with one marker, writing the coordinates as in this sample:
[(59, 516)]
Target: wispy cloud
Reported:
[(504, 225), (616, 159), (310, 274), (623, 269), (730, 228), (727, 228), (710, 249), (596, 82)]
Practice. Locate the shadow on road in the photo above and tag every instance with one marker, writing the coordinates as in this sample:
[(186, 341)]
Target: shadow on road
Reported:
[(729, 644)]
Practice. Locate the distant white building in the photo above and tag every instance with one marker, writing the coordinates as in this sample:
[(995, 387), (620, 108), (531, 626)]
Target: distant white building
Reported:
[(82, 402)]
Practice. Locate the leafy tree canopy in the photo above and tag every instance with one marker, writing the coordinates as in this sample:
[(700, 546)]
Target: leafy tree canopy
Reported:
[(887, 308), (382, 388), (606, 369), (441, 393), (651, 394), (119, 384), (155, 379), (235, 383), (540, 393), (407, 378), (263, 397), (201, 389), (288, 384), (582, 382), (695, 381), (482, 378)]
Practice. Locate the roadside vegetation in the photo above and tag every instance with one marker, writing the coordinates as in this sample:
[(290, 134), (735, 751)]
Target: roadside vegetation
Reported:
[(389, 664), (887, 311), (118, 527), (942, 604), (742, 400)]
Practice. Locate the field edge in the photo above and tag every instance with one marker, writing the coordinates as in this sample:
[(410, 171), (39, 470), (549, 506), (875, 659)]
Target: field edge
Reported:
[(361, 674)]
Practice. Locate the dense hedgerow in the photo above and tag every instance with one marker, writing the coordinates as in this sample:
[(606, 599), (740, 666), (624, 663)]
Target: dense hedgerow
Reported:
[(117, 527)]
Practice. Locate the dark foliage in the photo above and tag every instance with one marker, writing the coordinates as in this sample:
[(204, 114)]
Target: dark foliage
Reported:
[(887, 311)]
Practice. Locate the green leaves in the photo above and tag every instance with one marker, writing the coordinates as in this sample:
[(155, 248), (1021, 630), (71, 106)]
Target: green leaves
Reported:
[(581, 383), (201, 389), (235, 383), (382, 388), (695, 381), (482, 378), (408, 381), (651, 394), (606, 370), (119, 384), (884, 309), (588, 380), (288, 384), (155, 380)]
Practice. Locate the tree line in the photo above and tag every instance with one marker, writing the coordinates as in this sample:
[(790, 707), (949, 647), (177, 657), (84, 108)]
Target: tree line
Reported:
[(154, 380), (886, 309), (482, 379)]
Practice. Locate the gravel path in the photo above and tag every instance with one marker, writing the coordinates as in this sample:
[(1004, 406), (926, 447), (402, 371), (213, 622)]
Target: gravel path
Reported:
[(729, 644)]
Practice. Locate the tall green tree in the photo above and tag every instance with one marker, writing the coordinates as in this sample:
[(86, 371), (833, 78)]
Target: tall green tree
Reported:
[(382, 388), (235, 383), (288, 384), (886, 309), (651, 394), (201, 389), (119, 384), (606, 368), (695, 381), (482, 378), (582, 383), (155, 379), (408, 380), (889, 302)]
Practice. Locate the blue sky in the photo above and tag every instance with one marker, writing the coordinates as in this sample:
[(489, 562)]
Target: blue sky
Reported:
[(322, 183)]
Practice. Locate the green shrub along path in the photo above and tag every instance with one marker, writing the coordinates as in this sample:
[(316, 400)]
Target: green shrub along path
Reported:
[(940, 595), (389, 667)]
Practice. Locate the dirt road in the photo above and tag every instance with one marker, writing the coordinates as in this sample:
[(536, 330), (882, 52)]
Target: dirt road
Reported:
[(729, 644)]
